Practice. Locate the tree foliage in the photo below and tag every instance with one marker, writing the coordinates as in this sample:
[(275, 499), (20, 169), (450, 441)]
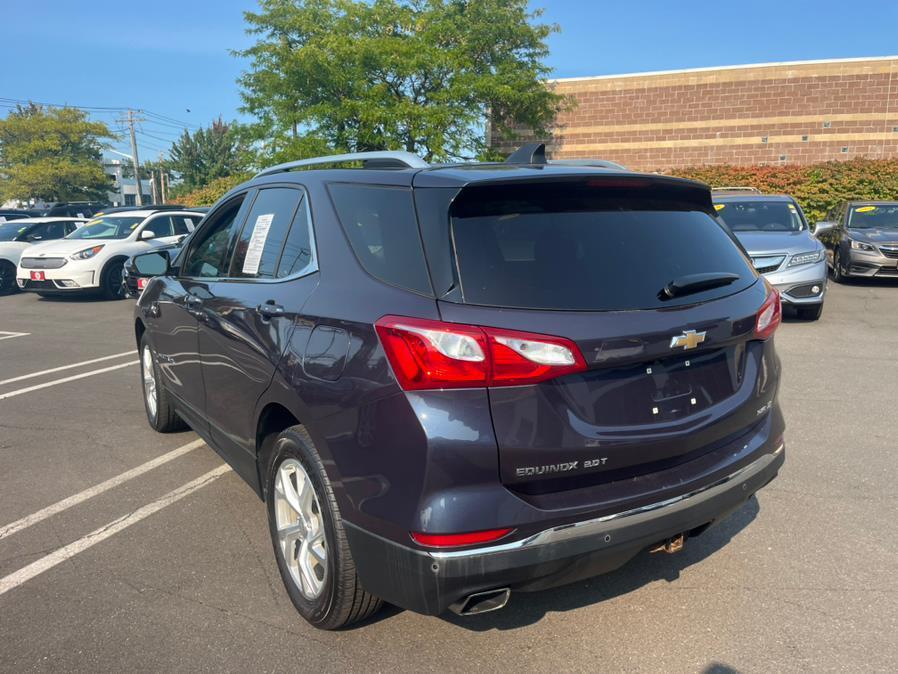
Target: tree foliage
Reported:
[(817, 187), (207, 154), (418, 75), (52, 154), (210, 193)]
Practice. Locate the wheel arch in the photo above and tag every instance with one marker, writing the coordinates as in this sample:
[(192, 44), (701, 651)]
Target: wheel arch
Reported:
[(273, 419)]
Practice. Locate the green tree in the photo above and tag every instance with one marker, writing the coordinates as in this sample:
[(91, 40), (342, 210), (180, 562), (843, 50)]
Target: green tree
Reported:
[(419, 75), (208, 153), (52, 154)]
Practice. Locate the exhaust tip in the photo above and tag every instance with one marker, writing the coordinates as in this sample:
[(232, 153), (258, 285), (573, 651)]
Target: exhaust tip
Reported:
[(481, 602)]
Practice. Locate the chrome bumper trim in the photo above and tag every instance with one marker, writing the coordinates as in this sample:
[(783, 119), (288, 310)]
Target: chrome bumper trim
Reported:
[(597, 525)]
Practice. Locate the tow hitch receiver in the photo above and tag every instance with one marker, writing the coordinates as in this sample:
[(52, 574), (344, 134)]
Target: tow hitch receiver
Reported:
[(670, 545)]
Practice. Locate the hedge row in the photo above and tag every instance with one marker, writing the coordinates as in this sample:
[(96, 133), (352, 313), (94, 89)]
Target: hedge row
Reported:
[(817, 187)]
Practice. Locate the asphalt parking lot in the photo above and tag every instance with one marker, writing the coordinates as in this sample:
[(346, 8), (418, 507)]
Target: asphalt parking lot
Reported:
[(158, 558)]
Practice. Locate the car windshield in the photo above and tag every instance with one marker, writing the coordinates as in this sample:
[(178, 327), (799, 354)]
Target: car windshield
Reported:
[(760, 216), (882, 216), (10, 230), (107, 227)]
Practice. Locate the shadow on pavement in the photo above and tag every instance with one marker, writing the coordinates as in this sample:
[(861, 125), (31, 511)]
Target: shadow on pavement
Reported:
[(527, 608)]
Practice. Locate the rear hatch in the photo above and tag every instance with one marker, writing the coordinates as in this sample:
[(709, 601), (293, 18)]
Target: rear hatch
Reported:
[(668, 374)]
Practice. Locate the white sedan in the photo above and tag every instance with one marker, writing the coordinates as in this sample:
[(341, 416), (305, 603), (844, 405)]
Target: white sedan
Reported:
[(18, 235), (91, 258)]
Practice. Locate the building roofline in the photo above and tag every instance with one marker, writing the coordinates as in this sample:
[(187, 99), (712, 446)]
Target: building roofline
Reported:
[(774, 64)]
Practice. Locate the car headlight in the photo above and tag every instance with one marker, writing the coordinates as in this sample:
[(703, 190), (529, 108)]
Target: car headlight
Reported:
[(87, 253), (860, 245), (805, 258)]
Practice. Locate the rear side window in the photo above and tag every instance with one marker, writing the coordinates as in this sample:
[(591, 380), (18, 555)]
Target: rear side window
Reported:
[(262, 239), (549, 247), (382, 229)]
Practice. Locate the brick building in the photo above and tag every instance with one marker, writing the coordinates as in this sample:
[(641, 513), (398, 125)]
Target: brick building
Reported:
[(800, 112)]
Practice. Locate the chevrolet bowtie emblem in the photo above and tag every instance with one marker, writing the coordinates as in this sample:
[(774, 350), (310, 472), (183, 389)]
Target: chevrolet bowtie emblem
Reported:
[(688, 340)]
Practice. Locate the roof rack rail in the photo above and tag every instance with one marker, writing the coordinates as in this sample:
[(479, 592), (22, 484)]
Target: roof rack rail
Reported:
[(749, 190), (597, 163), (370, 160)]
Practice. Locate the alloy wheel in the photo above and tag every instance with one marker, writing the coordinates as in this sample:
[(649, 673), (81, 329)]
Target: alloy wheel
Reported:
[(300, 528), (149, 381)]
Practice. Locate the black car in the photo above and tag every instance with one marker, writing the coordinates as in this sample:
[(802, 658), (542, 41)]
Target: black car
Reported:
[(15, 214), (135, 280), (73, 209), (861, 238), (452, 382)]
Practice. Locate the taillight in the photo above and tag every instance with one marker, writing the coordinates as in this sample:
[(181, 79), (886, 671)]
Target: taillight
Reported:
[(428, 354), (769, 315), (457, 540)]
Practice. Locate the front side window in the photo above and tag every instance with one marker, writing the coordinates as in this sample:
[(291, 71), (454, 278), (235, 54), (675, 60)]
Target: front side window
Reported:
[(760, 216), (208, 256), (107, 227), (259, 246), (161, 226), (880, 216)]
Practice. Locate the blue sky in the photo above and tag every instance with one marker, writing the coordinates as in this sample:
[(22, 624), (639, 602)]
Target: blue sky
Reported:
[(171, 57)]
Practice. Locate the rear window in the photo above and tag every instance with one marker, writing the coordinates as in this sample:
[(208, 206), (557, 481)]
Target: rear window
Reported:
[(579, 249), (382, 228)]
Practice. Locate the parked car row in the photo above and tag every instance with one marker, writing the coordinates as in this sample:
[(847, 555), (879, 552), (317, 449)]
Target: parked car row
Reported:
[(857, 239), (57, 256)]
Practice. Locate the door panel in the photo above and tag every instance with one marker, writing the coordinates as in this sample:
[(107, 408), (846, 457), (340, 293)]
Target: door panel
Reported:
[(242, 341), (175, 340)]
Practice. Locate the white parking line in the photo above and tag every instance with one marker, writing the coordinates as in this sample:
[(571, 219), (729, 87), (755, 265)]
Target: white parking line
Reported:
[(96, 490), (37, 387), (66, 367), (10, 335), (56, 557)]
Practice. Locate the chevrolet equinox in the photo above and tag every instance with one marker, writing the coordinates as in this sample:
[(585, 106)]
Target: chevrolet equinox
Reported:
[(452, 382)]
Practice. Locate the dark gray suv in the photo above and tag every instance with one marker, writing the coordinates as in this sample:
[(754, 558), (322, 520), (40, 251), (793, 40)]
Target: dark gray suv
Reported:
[(453, 382)]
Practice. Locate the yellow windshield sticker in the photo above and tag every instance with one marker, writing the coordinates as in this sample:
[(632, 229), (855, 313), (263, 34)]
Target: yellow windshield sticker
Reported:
[(865, 209), (134, 225), (719, 207), (792, 208), (94, 222)]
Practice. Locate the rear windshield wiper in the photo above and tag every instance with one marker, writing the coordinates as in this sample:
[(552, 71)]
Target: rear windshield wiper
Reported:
[(694, 283)]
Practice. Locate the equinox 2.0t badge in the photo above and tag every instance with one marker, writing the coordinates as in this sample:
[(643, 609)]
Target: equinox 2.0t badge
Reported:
[(688, 340)]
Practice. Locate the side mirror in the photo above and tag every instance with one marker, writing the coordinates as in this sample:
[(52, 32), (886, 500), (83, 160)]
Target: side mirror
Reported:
[(146, 235), (156, 263), (822, 228)]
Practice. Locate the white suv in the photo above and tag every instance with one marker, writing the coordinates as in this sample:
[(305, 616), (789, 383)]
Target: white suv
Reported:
[(91, 258)]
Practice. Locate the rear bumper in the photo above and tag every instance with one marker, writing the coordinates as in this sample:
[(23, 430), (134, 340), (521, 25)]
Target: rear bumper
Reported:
[(429, 582)]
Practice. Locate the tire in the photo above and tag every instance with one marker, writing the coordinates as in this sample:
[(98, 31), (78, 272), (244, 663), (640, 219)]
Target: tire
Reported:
[(157, 401), (8, 278), (111, 286), (810, 313), (839, 275), (328, 593)]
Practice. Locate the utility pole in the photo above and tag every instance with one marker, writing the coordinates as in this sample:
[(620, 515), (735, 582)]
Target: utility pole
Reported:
[(162, 177), (130, 120), (153, 187)]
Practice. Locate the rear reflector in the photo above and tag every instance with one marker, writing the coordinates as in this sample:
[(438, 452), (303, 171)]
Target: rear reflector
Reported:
[(457, 540), (770, 315), (428, 354)]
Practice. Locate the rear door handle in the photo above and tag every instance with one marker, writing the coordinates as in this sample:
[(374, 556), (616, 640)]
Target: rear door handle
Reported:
[(270, 309)]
